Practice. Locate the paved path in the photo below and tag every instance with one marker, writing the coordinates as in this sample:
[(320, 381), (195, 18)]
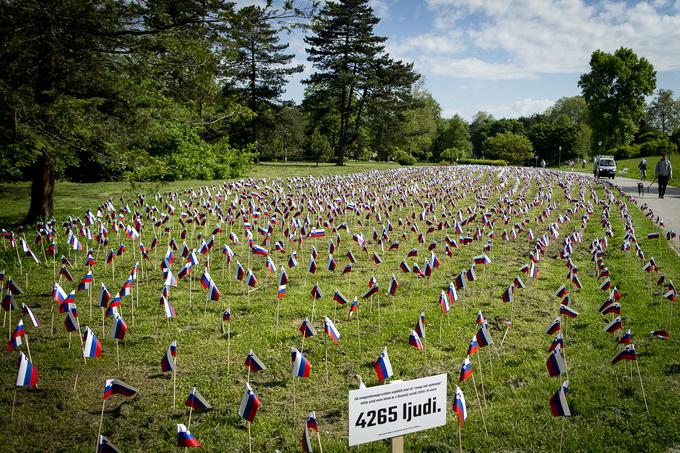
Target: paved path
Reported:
[(668, 208)]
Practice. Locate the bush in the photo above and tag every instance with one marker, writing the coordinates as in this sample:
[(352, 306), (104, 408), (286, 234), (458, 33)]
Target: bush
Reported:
[(497, 162), (403, 158)]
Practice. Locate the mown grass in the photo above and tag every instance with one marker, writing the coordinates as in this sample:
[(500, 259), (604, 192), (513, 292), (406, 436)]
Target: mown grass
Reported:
[(606, 401)]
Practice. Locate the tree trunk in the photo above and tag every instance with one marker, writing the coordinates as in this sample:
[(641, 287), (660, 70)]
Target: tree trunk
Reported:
[(42, 191)]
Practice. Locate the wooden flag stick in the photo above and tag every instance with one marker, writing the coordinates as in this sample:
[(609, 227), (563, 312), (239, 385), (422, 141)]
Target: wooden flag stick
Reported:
[(191, 410), (481, 410), (644, 396), (302, 348), (174, 386), (250, 440), (460, 439), (228, 346), (101, 422), (318, 437), (325, 348), (14, 401), (28, 348), (379, 315), (117, 354), (562, 435), (481, 377), (358, 331), (294, 400)]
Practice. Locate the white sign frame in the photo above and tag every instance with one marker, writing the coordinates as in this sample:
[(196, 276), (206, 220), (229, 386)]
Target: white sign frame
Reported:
[(383, 411)]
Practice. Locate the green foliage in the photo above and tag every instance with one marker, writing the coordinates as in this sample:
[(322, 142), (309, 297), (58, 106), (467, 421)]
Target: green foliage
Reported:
[(663, 113), (452, 134), (491, 162), (615, 90), (319, 147), (510, 147), (452, 155), (403, 158)]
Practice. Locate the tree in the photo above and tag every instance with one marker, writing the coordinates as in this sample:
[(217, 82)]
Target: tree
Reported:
[(478, 131), (319, 147), (573, 108), (256, 66), (452, 134), (663, 113), (512, 148), (615, 90), (285, 137), (351, 65), (420, 125)]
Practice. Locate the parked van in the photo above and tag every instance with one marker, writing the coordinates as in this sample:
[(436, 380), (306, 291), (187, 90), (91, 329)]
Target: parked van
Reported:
[(604, 166)]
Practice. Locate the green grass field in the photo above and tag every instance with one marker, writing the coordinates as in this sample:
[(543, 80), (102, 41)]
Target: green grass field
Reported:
[(607, 404)]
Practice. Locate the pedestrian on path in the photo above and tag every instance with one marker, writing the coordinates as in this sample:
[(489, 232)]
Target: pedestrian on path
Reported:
[(643, 169), (663, 172)]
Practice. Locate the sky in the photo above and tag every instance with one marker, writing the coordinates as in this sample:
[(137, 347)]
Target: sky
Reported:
[(514, 58)]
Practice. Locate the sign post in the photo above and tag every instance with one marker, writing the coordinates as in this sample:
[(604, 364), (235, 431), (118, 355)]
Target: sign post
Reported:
[(397, 409)]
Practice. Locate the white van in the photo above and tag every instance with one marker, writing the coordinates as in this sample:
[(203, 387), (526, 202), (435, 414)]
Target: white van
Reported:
[(604, 166)]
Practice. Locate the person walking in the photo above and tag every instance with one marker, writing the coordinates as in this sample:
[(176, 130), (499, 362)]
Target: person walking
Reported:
[(643, 169), (542, 163), (663, 172)]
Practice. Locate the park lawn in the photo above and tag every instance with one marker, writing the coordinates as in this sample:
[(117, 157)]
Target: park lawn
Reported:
[(70, 198), (606, 401)]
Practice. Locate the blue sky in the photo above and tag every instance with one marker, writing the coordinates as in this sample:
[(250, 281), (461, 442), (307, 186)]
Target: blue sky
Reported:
[(516, 57)]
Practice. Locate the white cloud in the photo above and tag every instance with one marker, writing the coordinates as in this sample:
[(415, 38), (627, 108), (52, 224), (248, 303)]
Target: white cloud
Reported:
[(380, 8), (532, 37), (522, 107)]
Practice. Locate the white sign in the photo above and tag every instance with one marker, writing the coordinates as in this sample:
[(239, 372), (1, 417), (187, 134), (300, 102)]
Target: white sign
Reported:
[(396, 409)]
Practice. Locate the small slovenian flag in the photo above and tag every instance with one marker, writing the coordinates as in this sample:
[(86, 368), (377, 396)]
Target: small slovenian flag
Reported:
[(394, 284), (555, 363), (168, 362), (561, 291), (28, 373), (71, 321), (281, 292), (259, 250), (109, 257), (383, 367), (240, 272), (626, 338), (483, 337), (252, 280), (317, 233), (307, 329), (292, 260), (58, 293), (196, 401), (249, 404), (558, 402), (451, 293), (347, 269), (554, 327), (470, 274), (414, 340), (420, 325), (507, 294), (312, 266), (404, 267), (518, 283), (614, 325), (611, 308), (331, 263), (558, 342), (482, 259), (371, 291), (577, 283), (85, 282), (465, 370), (27, 311), (459, 406), (444, 302), (119, 328), (15, 340), (306, 443), (104, 296), (105, 446), (653, 236), (226, 315), (213, 292), (283, 278), (661, 334), (206, 279), (116, 387), (311, 422), (253, 362), (300, 365), (627, 353), (480, 321), (567, 311), (606, 284), (92, 348), (339, 297), (616, 294), (185, 271), (461, 281), (316, 292), (354, 307), (185, 438), (168, 309), (331, 330)]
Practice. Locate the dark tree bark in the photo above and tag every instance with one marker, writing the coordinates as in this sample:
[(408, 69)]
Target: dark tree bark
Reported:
[(42, 190)]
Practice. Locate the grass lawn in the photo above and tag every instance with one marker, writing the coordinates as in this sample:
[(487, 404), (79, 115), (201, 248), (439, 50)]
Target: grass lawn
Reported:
[(606, 401)]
